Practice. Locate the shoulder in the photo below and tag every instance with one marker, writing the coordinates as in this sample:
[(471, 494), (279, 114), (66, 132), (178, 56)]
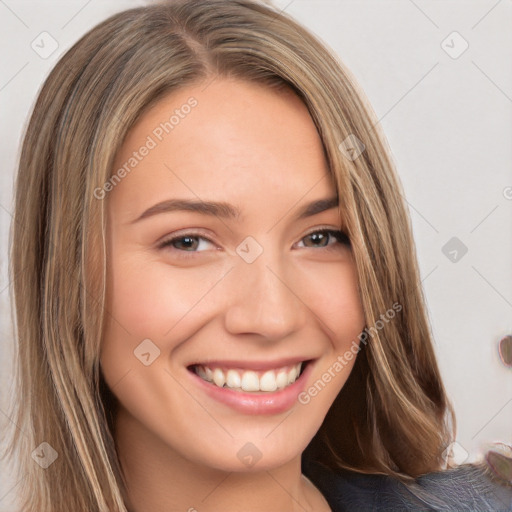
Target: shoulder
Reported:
[(465, 488)]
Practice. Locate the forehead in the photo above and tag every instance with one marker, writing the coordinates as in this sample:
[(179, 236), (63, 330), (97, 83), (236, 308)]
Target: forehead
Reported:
[(226, 139)]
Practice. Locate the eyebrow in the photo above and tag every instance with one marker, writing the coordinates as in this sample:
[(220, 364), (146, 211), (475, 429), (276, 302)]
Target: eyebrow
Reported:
[(226, 210)]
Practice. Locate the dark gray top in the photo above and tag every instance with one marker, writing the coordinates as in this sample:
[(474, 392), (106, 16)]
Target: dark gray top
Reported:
[(465, 488)]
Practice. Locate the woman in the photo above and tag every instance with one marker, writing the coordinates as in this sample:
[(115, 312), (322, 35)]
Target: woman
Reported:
[(218, 303)]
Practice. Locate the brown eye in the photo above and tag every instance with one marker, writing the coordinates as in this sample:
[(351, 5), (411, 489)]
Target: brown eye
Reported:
[(187, 243)]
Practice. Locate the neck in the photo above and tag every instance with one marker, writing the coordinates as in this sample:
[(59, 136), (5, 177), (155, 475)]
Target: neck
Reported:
[(159, 479)]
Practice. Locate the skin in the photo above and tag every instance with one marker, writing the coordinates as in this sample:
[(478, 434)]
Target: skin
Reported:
[(256, 149)]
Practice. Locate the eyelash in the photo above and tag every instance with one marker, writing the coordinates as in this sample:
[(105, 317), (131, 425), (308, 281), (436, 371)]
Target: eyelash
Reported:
[(340, 236)]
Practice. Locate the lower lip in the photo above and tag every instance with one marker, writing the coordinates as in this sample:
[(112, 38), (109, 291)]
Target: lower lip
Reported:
[(256, 403)]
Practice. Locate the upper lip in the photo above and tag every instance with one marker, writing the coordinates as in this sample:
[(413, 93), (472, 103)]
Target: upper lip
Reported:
[(252, 365)]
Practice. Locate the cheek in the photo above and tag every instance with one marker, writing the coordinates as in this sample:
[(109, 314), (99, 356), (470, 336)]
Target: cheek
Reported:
[(336, 303), (154, 307), (149, 298), (332, 292)]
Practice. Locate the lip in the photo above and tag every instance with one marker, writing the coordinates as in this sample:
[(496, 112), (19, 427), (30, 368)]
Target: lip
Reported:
[(258, 402)]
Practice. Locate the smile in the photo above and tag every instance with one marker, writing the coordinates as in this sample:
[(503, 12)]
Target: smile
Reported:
[(249, 380), (252, 388)]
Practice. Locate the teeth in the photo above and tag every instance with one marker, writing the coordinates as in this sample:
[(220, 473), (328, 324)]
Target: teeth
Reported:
[(292, 376), (282, 379), (233, 379), (200, 371), (250, 381), (268, 381), (218, 377)]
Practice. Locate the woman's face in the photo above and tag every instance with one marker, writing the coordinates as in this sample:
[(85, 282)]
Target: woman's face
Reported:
[(226, 275)]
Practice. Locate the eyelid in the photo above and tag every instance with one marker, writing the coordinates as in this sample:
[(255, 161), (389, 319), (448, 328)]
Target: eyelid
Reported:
[(324, 228)]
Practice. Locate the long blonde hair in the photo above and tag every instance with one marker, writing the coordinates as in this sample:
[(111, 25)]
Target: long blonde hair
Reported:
[(391, 417)]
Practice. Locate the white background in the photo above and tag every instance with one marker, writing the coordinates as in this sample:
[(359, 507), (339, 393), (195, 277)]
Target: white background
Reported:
[(448, 122)]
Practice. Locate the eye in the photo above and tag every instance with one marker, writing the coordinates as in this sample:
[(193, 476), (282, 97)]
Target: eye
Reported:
[(188, 242), (194, 242), (325, 238)]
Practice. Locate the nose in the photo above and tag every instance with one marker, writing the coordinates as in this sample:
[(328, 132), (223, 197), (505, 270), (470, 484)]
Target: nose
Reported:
[(263, 300)]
